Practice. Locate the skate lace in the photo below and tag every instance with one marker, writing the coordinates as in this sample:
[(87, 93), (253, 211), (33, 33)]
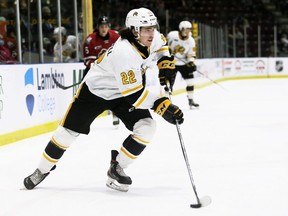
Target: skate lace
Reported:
[(120, 171), (36, 176)]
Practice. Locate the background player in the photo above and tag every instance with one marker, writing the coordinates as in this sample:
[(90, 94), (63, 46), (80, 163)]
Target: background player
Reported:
[(182, 46), (96, 43)]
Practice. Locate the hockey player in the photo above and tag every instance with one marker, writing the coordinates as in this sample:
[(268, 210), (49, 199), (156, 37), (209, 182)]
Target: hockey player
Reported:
[(116, 81), (96, 44), (182, 46)]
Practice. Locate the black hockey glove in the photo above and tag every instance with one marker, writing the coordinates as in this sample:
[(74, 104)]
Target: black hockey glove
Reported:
[(168, 111), (192, 66), (166, 66)]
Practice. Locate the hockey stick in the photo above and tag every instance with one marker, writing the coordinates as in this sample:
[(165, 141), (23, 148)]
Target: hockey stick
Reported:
[(206, 200), (62, 86), (203, 75), (210, 79)]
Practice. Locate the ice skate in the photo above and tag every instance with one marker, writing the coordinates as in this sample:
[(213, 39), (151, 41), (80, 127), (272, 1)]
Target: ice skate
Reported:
[(192, 103), (117, 179), (35, 178)]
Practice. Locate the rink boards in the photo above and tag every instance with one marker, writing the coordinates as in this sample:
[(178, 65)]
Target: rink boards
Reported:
[(31, 103)]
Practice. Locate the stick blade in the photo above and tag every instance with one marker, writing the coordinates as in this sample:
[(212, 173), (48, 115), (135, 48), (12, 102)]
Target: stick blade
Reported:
[(203, 202)]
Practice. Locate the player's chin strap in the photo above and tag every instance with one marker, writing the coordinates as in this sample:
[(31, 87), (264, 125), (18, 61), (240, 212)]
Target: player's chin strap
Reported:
[(205, 200)]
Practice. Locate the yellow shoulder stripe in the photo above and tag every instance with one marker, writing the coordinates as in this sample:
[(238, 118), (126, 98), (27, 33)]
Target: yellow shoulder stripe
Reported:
[(163, 49)]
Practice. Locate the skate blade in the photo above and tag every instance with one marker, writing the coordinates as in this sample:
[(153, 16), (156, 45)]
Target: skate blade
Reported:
[(113, 184), (23, 189), (116, 126), (203, 202), (193, 107)]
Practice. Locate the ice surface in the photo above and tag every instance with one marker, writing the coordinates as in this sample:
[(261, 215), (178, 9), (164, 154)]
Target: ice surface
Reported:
[(237, 144)]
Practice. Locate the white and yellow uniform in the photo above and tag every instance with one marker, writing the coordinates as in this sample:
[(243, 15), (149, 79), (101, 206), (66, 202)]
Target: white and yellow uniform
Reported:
[(183, 49), (119, 72), (117, 82)]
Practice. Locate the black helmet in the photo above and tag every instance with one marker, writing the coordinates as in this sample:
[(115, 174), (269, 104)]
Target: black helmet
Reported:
[(103, 20)]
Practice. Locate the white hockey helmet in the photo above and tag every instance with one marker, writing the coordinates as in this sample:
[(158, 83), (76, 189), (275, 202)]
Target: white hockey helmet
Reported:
[(61, 29), (140, 17), (185, 25)]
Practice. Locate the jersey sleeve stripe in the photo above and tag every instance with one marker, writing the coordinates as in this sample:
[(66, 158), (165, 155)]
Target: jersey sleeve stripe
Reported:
[(129, 91), (90, 57), (163, 49), (141, 99)]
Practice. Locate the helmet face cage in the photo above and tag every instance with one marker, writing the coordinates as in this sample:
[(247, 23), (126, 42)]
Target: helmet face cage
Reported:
[(140, 17), (185, 25)]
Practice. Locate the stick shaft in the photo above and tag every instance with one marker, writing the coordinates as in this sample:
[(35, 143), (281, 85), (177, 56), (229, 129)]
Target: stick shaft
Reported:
[(62, 86), (184, 151)]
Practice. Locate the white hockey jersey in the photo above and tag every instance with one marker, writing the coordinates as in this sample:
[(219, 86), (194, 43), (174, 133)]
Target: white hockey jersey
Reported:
[(118, 72), (184, 50)]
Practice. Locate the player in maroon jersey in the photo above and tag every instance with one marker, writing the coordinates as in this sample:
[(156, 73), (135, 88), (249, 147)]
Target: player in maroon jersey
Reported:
[(96, 44)]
